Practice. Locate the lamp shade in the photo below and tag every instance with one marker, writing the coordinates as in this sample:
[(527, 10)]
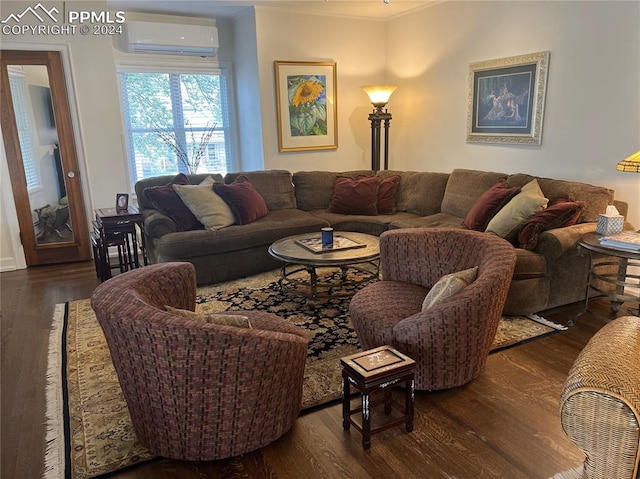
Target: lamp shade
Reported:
[(631, 163), (379, 94)]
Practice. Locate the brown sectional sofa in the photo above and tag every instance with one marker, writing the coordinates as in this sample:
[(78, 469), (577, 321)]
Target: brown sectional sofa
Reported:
[(554, 274)]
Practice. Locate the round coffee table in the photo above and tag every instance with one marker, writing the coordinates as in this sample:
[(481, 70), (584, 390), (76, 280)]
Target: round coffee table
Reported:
[(296, 257)]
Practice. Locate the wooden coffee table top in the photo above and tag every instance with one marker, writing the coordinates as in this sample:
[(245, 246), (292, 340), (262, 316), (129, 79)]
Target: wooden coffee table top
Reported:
[(288, 250)]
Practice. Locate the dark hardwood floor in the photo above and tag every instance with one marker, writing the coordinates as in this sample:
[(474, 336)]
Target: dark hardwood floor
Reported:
[(503, 425)]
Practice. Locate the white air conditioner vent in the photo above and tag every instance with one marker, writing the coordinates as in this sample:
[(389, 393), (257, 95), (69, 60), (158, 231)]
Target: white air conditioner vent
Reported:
[(170, 38)]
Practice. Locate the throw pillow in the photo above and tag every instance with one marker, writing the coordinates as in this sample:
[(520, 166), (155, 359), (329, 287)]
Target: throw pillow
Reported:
[(206, 205), (355, 197), (489, 203), (449, 285), (244, 200), (222, 319), (386, 204), (559, 214), (167, 201), (508, 221)]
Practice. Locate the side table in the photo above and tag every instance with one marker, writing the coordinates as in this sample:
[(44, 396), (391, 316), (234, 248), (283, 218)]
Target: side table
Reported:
[(119, 229), (377, 370), (627, 284)]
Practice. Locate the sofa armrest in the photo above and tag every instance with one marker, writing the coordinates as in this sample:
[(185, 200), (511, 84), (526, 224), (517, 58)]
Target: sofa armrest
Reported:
[(555, 242), (157, 224), (600, 402)]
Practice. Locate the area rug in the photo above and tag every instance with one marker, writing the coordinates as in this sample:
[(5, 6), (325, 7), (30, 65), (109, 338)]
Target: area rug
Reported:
[(89, 431), (575, 473)]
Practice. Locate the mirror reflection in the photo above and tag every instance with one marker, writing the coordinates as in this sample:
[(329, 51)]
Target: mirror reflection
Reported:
[(38, 137)]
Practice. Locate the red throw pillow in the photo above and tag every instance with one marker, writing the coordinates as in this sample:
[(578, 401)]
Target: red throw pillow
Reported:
[(243, 199), (489, 203), (387, 195), (355, 197), (167, 201), (559, 214)]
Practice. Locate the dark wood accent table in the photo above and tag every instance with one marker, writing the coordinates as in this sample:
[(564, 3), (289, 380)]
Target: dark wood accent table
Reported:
[(377, 370), (625, 282), (119, 229), (296, 258)]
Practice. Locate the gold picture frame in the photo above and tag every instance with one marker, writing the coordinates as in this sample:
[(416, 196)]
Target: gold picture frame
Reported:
[(306, 99), (506, 99)]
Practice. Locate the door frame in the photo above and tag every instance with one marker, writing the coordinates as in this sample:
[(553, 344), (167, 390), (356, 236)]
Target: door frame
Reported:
[(5, 183)]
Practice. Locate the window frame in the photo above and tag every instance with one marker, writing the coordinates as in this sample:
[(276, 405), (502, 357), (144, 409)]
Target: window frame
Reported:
[(140, 63)]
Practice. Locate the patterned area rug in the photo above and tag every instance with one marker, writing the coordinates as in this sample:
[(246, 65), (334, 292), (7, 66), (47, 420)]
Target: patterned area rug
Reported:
[(89, 431)]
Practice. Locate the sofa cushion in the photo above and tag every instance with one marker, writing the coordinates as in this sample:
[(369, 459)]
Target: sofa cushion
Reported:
[(386, 204), (508, 221), (559, 214), (275, 187), (165, 199), (596, 197), (489, 203), (206, 205), (221, 319), (355, 197), (463, 189), (314, 189), (372, 225), (419, 193), (164, 180), (237, 238), (243, 199), (449, 285), (438, 220)]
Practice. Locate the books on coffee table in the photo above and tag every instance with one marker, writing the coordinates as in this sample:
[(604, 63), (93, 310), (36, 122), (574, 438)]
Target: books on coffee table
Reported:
[(339, 243), (627, 240)]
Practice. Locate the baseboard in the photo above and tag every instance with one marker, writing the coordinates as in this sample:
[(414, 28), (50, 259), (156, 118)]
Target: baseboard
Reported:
[(8, 264)]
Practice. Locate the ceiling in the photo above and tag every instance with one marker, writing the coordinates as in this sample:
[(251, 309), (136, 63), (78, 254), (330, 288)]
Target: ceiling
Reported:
[(369, 9)]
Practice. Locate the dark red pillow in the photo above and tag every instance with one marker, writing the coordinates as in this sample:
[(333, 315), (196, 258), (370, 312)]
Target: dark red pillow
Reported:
[(387, 195), (355, 197), (243, 199), (559, 214), (489, 203), (167, 201)]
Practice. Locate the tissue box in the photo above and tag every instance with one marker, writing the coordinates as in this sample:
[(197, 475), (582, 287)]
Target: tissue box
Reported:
[(610, 225)]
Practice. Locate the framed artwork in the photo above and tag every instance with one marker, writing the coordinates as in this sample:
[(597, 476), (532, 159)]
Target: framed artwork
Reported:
[(506, 99), (122, 202), (306, 104)]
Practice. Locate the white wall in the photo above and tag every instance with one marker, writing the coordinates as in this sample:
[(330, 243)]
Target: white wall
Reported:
[(359, 49), (592, 115)]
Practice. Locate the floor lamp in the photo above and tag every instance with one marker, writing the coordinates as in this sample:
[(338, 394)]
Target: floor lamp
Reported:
[(379, 96)]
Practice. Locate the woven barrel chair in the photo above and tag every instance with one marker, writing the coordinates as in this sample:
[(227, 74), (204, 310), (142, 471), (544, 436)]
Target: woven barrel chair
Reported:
[(450, 341), (195, 390), (600, 402)]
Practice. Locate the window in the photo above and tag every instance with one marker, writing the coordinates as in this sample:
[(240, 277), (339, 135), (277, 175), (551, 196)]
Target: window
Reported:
[(176, 122), (20, 106)]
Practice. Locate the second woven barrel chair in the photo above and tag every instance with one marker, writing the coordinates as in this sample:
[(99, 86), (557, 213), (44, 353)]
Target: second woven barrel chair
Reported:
[(450, 341), (195, 390)]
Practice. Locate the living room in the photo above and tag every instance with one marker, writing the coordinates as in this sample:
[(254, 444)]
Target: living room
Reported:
[(590, 122)]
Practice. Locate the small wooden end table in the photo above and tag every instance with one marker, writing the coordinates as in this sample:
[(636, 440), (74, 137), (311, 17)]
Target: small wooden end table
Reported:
[(377, 370), (119, 229)]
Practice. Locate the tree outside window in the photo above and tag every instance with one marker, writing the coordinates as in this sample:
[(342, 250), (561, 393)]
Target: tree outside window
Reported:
[(175, 122)]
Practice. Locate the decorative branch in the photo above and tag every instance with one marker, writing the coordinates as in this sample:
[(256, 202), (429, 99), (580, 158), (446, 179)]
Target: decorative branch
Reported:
[(190, 159)]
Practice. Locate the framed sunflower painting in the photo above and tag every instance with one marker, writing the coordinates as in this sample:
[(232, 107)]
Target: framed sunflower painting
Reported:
[(306, 104)]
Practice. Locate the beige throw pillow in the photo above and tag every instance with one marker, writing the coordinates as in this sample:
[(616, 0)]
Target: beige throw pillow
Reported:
[(206, 205), (508, 221), (449, 285), (222, 319)]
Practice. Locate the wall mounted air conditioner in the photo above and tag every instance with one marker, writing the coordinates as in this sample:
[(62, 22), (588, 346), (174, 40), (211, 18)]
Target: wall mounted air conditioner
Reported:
[(170, 39)]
